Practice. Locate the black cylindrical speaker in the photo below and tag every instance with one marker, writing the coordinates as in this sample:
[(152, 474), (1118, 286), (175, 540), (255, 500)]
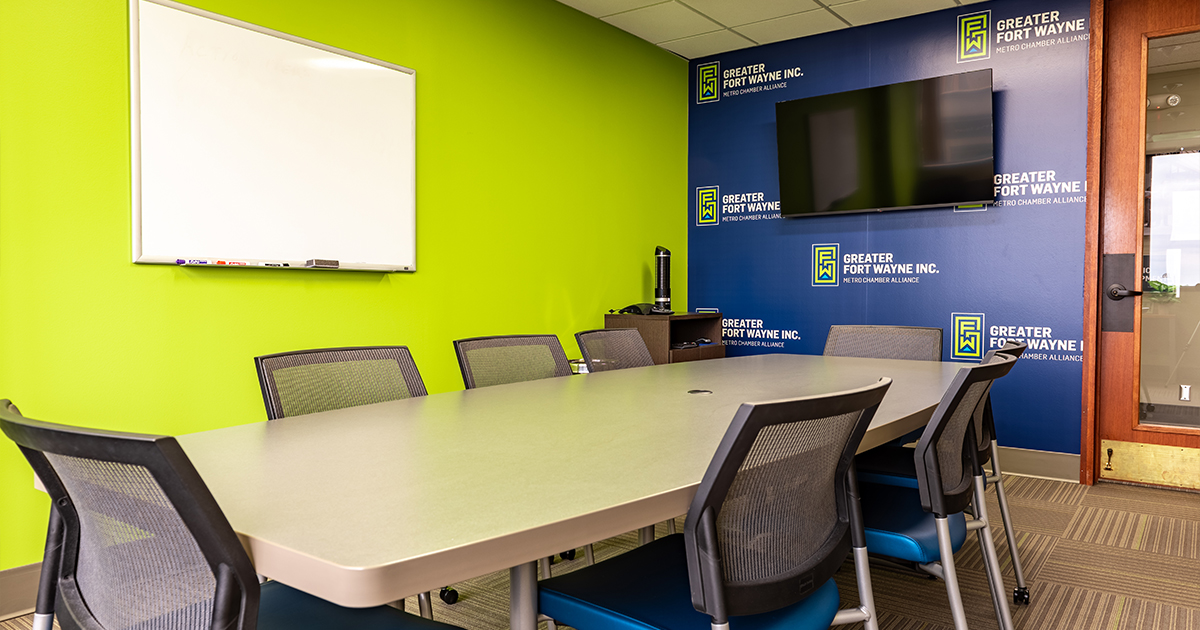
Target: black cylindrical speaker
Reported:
[(662, 278)]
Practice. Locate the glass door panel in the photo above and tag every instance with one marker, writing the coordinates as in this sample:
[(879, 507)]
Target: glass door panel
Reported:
[(1170, 342)]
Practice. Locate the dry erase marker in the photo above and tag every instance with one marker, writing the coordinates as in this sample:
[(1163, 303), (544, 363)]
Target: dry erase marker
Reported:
[(273, 264), (232, 262), (192, 261)]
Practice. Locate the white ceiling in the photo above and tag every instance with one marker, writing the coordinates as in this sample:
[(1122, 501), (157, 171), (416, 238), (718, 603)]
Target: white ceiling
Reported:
[(697, 28)]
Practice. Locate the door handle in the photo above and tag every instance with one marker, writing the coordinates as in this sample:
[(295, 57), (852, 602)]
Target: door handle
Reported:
[(1118, 292)]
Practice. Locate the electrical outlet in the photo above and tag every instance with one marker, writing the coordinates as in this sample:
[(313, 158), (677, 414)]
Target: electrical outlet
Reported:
[(1185, 392)]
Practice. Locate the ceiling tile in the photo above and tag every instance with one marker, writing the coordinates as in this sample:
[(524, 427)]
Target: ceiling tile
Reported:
[(870, 11), (747, 11), (707, 44), (663, 22), (792, 26), (602, 8)]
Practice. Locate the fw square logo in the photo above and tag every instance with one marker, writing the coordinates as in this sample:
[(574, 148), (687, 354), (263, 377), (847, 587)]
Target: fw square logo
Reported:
[(708, 82), (825, 265), (966, 336), (707, 206), (974, 42)]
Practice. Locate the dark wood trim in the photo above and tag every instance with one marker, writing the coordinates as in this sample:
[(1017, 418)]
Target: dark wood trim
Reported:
[(1091, 257)]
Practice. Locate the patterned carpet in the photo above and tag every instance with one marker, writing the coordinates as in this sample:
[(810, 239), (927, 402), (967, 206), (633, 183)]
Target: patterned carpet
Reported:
[(1108, 557)]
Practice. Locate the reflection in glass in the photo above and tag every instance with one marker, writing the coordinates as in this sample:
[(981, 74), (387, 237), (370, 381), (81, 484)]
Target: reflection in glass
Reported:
[(1170, 348)]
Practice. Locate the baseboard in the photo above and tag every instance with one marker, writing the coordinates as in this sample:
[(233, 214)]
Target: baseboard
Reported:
[(18, 590), (1041, 464)]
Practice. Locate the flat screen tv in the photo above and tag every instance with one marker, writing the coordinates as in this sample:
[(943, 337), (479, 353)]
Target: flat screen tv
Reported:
[(917, 144)]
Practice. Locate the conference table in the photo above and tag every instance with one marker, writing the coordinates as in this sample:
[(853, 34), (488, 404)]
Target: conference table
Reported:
[(367, 505)]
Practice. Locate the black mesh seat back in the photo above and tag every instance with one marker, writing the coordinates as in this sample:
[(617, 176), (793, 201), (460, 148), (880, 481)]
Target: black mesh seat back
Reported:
[(613, 349), (138, 565), (985, 428), (885, 342), (310, 381), (487, 361), (145, 545), (774, 501), (945, 464)]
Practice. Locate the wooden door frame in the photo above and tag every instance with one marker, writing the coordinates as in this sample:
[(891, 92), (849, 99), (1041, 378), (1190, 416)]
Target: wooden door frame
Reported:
[(1088, 473), (1095, 238)]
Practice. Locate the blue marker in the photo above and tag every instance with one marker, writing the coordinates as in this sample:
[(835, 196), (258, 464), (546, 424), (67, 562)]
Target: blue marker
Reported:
[(192, 261)]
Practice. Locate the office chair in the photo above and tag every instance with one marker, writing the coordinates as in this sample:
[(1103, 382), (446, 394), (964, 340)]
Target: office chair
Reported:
[(309, 381), (915, 343), (144, 544), (989, 449), (499, 360), (504, 359), (773, 519), (913, 499), (613, 349)]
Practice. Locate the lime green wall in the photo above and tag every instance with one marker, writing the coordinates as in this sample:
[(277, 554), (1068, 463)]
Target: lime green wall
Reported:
[(551, 159)]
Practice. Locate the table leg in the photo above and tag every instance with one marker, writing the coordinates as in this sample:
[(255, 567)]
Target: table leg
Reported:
[(522, 597), (646, 535)]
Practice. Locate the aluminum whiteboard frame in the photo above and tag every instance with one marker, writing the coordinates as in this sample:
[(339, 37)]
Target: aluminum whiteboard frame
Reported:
[(135, 130)]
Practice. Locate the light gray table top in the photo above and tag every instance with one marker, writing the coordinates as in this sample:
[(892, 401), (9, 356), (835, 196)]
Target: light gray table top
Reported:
[(366, 505)]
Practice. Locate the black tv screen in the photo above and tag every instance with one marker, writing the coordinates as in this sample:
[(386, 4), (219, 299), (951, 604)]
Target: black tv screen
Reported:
[(917, 144)]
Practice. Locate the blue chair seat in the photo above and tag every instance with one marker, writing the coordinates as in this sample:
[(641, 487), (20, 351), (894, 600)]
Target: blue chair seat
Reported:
[(285, 608), (647, 588), (896, 526)]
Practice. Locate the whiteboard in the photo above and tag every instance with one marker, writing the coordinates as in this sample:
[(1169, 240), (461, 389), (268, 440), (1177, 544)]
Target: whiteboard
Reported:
[(251, 146)]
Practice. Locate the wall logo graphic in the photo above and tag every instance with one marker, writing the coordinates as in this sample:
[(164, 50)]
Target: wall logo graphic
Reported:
[(825, 265), (708, 82), (707, 208), (966, 336), (974, 42)]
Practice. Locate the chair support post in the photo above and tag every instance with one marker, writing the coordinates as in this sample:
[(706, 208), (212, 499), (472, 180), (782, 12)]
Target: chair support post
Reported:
[(862, 569), (646, 535), (426, 606), (991, 560), (950, 576), (1010, 534)]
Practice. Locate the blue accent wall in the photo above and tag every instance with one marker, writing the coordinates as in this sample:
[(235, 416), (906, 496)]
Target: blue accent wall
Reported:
[(1017, 263)]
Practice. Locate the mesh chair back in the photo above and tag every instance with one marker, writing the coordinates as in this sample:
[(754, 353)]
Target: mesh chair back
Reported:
[(945, 464), (613, 349), (885, 342), (309, 381), (770, 521), (985, 427), (144, 544), (487, 361)]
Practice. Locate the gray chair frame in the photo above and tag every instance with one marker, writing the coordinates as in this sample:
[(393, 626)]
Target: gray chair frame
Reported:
[(841, 338), (630, 338), (989, 449)]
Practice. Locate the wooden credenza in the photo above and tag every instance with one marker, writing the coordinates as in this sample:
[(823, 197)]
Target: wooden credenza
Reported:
[(660, 331)]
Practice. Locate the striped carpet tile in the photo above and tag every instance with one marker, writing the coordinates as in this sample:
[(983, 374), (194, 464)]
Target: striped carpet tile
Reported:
[(1144, 532), (1136, 574), (1043, 490), (1139, 614), (1150, 501), (1059, 607)]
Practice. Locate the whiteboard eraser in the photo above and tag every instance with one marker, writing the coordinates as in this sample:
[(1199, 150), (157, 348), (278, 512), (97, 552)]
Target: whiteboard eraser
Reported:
[(321, 263)]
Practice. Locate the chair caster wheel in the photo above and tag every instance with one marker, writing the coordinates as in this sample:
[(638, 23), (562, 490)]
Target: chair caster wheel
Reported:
[(568, 555), (1021, 595), (448, 595)]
